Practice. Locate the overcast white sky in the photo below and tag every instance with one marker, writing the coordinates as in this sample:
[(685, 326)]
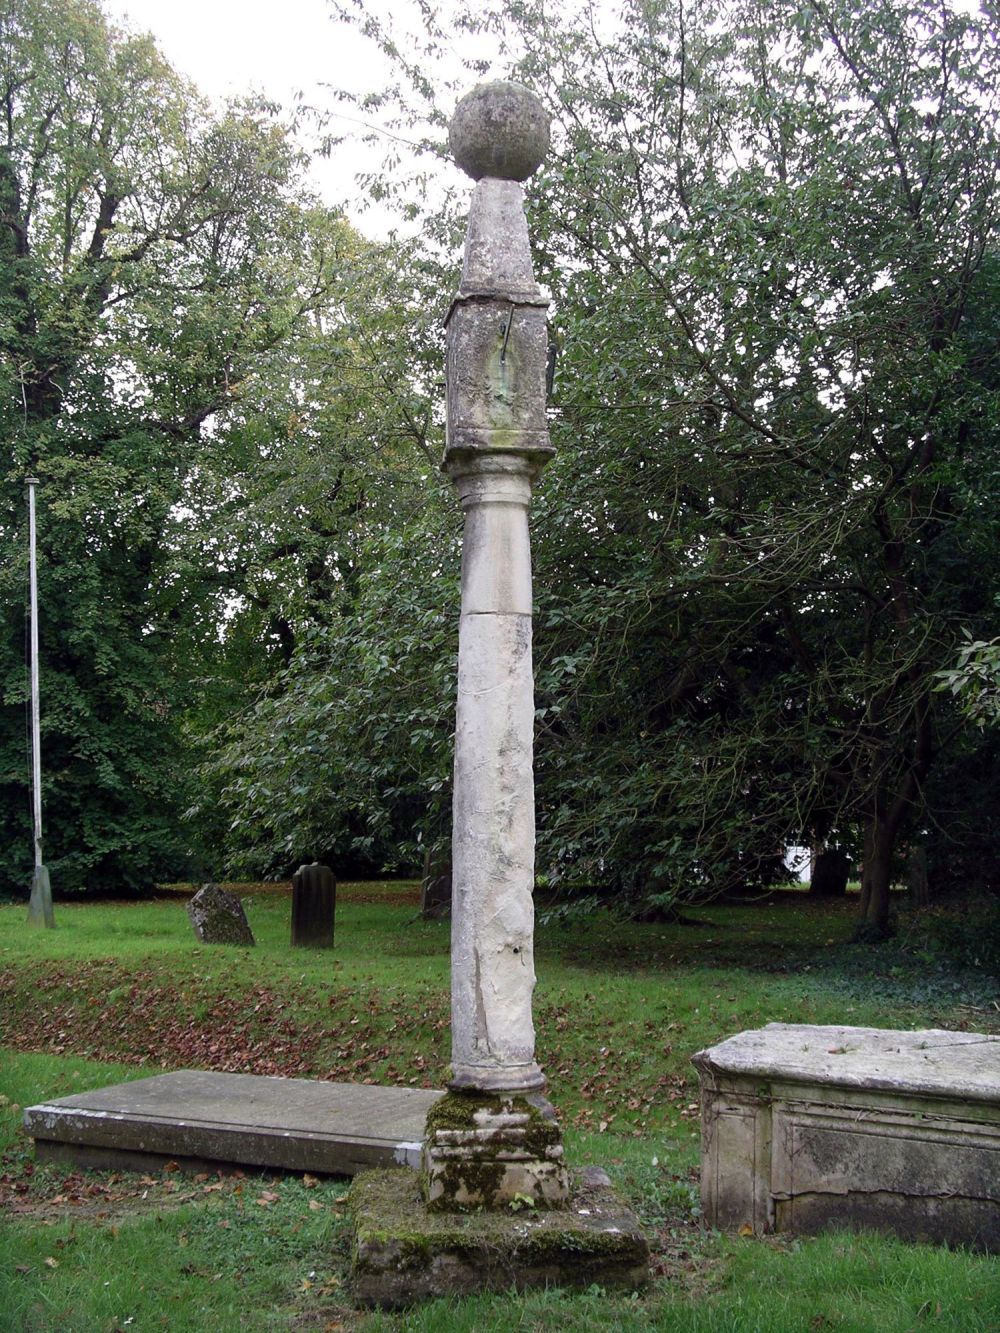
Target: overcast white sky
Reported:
[(228, 47)]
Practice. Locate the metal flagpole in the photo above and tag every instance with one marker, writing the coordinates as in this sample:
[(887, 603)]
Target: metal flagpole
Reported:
[(40, 904)]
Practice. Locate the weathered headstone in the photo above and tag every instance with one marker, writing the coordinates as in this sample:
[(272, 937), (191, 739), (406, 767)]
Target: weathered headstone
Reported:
[(314, 903), (204, 1119), (218, 917), (831, 872), (917, 877), (435, 887)]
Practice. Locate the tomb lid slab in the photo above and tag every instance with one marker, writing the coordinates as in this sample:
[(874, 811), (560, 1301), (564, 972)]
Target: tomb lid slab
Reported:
[(931, 1061)]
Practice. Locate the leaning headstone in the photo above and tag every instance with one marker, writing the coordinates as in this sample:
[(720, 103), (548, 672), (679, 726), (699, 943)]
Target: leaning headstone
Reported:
[(830, 874), (314, 903), (218, 917), (435, 887)]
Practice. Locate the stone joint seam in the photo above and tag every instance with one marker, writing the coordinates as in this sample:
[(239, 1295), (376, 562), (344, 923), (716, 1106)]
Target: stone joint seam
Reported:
[(518, 300)]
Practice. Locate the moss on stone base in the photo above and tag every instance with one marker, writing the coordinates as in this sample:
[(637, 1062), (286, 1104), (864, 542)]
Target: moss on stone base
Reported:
[(482, 1180), (457, 1110), (475, 1158), (404, 1253)]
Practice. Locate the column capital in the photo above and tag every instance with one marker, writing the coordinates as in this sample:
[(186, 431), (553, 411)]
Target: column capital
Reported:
[(482, 476)]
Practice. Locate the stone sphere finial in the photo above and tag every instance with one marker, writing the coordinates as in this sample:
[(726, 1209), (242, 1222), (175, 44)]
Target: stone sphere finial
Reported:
[(499, 129)]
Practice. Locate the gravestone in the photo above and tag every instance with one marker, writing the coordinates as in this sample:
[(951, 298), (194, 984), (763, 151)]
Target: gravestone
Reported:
[(435, 887), (204, 1120), (314, 904), (218, 917), (830, 874), (917, 878)]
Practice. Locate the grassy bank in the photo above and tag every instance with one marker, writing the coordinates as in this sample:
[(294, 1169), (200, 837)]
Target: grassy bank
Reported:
[(122, 990)]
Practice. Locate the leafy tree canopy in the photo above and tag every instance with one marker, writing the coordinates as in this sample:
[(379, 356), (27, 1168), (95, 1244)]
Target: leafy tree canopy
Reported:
[(159, 266), (769, 229)]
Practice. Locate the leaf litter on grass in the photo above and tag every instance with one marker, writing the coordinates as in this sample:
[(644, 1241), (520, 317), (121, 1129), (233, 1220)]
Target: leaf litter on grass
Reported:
[(615, 1043)]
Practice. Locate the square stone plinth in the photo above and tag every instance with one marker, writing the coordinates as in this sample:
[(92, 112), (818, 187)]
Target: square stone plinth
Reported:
[(488, 1151), (404, 1254), (202, 1119), (805, 1128)]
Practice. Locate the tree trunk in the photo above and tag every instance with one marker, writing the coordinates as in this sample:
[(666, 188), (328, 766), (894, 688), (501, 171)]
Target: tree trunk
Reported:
[(880, 838), (882, 828), (916, 877)]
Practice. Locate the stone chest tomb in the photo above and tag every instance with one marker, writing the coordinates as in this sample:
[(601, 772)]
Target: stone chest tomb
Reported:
[(805, 1128)]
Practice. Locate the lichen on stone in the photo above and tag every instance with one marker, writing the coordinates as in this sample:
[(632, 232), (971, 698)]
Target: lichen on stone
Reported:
[(404, 1253)]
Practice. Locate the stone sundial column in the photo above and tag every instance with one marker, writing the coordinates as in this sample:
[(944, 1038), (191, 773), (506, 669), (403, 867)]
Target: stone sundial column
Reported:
[(496, 444)]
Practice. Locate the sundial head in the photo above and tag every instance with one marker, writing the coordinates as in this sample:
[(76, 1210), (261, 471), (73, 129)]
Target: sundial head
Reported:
[(499, 129)]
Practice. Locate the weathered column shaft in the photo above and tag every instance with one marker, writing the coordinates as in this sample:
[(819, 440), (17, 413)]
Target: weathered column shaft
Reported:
[(493, 846), (497, 442)]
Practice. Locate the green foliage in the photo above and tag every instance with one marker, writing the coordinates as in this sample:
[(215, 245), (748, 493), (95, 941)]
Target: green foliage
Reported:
[(960, 936), (165, 287), (346, 755), (771, 235), (769, 230), (975, 680)]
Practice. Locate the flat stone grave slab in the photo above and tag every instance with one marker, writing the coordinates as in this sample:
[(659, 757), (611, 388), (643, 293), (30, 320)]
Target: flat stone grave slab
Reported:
[(807, 1127), (201, 1119), (404, 1253)]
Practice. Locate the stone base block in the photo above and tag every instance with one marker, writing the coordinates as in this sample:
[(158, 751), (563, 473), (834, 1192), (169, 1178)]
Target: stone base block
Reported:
[(405, 1253), (805, 1128), (493, 1150)]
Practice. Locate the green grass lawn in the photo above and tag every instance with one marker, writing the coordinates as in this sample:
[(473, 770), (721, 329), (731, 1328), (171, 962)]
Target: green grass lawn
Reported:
[(121, 990)]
